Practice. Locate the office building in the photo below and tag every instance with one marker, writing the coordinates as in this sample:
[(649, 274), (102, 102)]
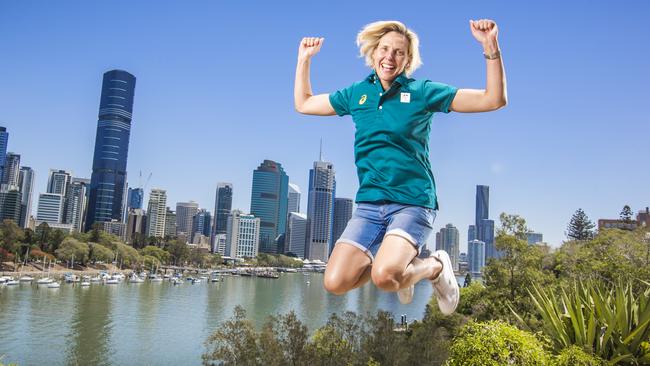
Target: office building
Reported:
[(342, 214), (269, 200), (108, 181), (320, 210), (185, 212), (156, 213), (242, 235), (296, 234)]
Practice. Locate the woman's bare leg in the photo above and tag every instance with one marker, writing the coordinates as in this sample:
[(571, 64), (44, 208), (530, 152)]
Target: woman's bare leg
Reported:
[(348, 268), (396, 265)]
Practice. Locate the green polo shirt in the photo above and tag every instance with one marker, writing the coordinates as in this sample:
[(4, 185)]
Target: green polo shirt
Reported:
[(391, 142)]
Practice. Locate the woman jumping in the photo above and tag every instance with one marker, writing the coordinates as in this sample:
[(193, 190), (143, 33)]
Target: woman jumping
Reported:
[(397, 200)]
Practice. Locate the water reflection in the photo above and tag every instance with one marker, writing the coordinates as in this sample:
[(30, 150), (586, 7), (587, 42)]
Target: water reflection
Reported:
[(91, 326)]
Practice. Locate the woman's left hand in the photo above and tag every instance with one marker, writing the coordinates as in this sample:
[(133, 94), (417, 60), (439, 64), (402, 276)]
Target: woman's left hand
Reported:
[(484, 30)]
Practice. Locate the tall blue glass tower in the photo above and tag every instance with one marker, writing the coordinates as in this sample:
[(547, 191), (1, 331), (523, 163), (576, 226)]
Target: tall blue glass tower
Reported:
[(269, 199), (108, 179)]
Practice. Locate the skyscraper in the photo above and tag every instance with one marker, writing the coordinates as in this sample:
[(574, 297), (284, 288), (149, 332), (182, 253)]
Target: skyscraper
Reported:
[(484, 226), (26, 186), (108, 180), (201, 224), (342, 214), (11, 169), (135, 198), (296, 234), (185, 212), (10, 199), (476, 256), (170, 224), (156, 213), (471, 233), (50, 208), (320, 210), (58, 180), (242, 235), (269, 203), (294, 198), (4, 140), (75, 202), (136, 225), (447, 239), (222, 207)]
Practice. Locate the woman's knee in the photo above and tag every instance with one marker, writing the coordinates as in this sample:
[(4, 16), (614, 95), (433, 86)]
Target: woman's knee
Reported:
[(386, 277), (336, 284)]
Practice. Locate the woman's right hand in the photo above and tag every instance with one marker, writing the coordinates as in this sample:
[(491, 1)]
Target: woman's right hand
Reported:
[(309, 46)]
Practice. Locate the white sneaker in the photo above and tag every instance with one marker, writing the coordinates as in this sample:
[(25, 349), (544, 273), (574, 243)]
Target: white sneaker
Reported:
[(405, 295), (445, 285)]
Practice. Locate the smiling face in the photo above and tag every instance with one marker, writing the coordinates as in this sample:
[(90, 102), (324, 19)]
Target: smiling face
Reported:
[(390, 57)]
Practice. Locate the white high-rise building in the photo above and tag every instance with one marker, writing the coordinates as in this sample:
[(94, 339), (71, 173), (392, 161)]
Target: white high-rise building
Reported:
[(50, 208), (185, 211), (296, 234), (242, 235), (156, 213)]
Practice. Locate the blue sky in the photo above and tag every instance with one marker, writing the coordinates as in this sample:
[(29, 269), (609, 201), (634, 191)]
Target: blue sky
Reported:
[(214, 97)]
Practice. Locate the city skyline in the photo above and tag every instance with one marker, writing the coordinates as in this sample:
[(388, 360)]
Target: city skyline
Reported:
[(554, 149)]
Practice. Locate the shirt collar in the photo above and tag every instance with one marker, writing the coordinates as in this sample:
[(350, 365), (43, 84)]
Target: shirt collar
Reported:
[(401, 78)]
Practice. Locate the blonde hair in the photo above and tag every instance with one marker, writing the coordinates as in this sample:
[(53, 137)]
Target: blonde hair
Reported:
[(368, 40)]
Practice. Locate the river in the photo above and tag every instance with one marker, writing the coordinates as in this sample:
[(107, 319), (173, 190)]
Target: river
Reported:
[(161, 323)]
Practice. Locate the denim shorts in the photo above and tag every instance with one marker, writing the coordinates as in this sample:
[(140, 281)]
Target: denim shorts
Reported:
[(370, 222)]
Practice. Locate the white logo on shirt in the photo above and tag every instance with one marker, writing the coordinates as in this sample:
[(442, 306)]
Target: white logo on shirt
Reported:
[(405, 97)]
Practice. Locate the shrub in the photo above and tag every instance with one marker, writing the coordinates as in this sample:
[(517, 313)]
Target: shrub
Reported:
[(575, 356), (613, 322), (496, 343)]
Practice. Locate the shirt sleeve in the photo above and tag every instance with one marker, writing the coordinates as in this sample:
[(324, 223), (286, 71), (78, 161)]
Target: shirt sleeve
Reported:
[(340, 101), (438, 96)]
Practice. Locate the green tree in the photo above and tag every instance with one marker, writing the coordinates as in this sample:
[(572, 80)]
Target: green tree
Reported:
[(612, 255), (519, 265), (626, 214), (150, 262), (42, 234), (179, 251), (496, 343), (100, 253), (72, 248), (580, 227), (10, 237), (56, 239), (233, 343), (161, 255)]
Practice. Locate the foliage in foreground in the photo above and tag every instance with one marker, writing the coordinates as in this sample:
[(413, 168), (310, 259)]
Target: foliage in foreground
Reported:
[(613, 322), (347, 339), (496, 343)]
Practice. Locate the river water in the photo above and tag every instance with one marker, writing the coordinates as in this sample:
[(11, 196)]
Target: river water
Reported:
[(163, 324)]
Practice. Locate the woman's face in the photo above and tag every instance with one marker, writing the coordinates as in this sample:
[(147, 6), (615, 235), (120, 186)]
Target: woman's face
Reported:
[(391, 56)]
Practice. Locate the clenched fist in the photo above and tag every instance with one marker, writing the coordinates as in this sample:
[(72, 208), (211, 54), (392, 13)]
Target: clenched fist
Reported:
[(309, 46), (484, 30)]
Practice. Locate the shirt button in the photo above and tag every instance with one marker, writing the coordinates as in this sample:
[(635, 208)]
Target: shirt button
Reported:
[(380, 107), (380, 94)]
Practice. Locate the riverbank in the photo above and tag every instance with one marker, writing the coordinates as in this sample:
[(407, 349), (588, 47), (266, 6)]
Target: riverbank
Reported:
[(58, 271)]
